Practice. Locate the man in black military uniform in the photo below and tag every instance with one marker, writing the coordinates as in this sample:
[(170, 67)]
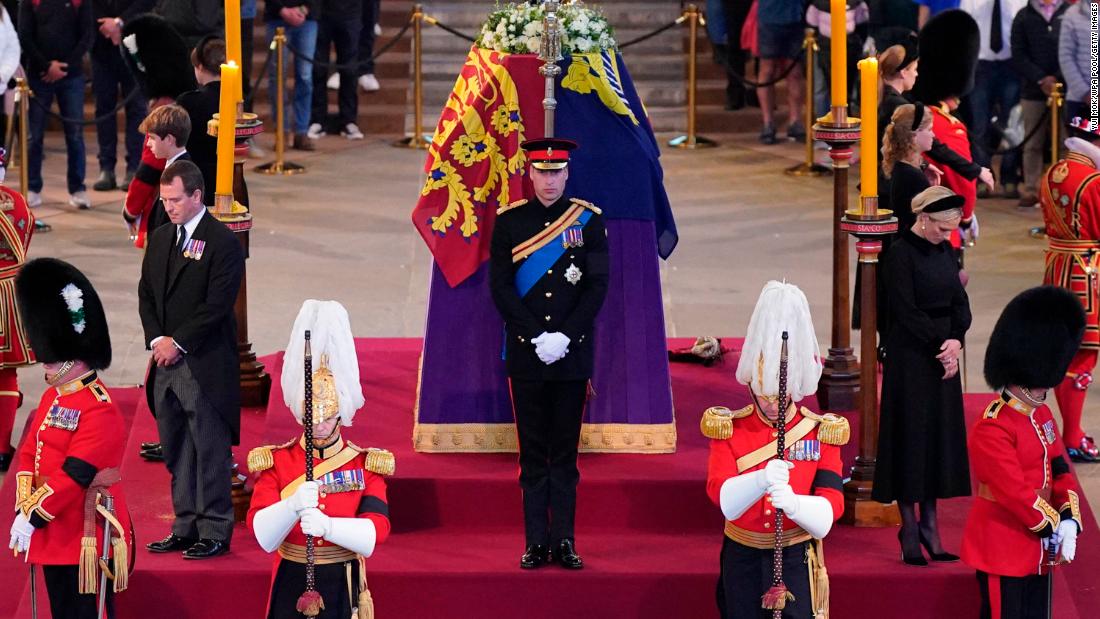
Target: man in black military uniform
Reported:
[(548, 275)]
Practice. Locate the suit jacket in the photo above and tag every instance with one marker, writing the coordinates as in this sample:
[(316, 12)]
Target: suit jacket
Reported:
[(201, 104), (194, 305), (566, 298)]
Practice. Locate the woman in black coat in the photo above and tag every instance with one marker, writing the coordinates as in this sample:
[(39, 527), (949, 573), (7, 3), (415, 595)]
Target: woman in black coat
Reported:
[(922, 434)]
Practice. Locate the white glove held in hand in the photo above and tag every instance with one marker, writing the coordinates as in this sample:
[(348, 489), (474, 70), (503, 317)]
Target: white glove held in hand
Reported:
[(1067, 534), (304, 497), (784, 498), (776, 473), (551, 347), (970, 235), (315, 522), (21, 532)]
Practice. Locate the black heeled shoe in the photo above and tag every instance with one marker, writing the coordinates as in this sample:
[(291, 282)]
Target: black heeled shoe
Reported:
[(939, 557), (917, 561)]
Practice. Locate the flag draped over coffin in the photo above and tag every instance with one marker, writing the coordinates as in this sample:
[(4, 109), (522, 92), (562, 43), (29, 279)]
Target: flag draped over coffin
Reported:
[(474, 166)]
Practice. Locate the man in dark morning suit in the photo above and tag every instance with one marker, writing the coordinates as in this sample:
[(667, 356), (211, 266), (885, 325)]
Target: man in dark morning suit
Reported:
[(189, 282), (548, 273)]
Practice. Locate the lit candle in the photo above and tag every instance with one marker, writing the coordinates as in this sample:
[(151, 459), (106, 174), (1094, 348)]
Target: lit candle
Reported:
[(233, 38), (868, 114), (227, 123), (838, 52)]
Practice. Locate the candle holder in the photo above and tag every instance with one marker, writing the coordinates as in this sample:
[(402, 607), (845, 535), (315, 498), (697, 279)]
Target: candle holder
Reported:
[(234, 212), (839, 386), (870, 226)]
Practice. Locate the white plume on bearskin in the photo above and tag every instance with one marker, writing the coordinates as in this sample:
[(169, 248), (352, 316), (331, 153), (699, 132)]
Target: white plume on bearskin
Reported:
[(780, 307), (330, 336)]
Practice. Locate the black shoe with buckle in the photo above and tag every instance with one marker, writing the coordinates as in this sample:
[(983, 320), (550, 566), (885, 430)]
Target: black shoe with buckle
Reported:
[(536, 556), (206, 549), (172, 543), (566, 555)]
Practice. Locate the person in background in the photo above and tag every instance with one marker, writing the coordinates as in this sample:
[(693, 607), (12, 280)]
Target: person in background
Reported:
[(248, 27), (9, 64), (17, 225), (856, 17), (779, 38), (927, 9), (194, 19), (372, 13), (55, 36), (731, 55), (337, 27), (1073, 57), (111, 79), (299, 18), (1035, 58), (201, 105)]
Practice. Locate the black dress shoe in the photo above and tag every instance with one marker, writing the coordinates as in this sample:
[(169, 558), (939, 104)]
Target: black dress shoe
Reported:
[(106, 181), (566, 555), (535, 557), (206, 549), (148, 446), (915, 559), (172, 543), (6, 458), (155, 454)]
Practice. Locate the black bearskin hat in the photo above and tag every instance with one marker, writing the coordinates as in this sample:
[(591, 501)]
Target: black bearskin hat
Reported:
[(1035, 339), (949, 45), (62, 314), (158, 55)]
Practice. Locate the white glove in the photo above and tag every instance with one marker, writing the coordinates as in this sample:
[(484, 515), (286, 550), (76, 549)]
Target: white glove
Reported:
[(776, 473), (970, 235), (21, 532), (272, 524), (304, 497), (1066, 534), (551, 347), (784, 498), (316, 523), (812, 513), (355, 534)]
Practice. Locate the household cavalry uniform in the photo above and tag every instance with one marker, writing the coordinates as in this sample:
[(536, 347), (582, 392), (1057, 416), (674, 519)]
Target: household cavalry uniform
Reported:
[(750, 484), (548, 274), (68, 486), (1069, 194), (16, 229), (348, 496), (1027, 514)]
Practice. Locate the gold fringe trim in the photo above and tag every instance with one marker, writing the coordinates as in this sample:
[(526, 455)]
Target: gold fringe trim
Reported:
[(834, 430), (717, 423), (501, 438), (121, 563), (366, 604), (260, 459), (24, 487), (86, 572), (819, 579), (380, 461)]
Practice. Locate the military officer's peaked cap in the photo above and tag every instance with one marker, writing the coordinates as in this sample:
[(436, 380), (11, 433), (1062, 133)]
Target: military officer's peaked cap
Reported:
[(1035, 339), (548, 153), (62, 314)]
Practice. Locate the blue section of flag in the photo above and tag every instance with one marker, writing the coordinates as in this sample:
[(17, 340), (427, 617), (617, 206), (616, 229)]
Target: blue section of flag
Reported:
[(617, 166)]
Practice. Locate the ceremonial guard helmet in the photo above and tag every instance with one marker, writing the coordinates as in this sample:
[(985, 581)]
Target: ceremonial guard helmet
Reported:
[(159, 56), (62, 314), (1035, 339), (781, 307), (336, 388), (949, 45)]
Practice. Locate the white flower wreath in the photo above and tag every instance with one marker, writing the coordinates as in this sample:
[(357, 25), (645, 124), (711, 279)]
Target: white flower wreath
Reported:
[(516, 28)]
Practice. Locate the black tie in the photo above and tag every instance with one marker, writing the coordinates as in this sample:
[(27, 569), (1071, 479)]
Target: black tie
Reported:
[(996, 39), (177, 250)]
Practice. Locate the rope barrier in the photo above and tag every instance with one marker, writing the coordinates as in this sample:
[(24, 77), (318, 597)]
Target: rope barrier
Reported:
[(332, 66), (444, 27), (646, 37), (259, 79), (1027, 138)]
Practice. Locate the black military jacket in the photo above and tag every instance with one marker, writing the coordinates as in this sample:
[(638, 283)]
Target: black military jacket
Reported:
[(564, 299)]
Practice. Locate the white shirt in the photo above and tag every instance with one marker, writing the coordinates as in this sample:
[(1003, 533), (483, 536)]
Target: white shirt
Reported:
[(982, 12)]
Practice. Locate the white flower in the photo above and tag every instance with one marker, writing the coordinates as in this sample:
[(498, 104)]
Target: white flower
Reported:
[(532, 28), (74, 301), (534, 43), (583, 44)]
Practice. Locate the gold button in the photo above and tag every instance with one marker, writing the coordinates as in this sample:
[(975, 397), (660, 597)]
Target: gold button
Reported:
[(42, 427), (323, 494), (545, 224), (550, 272), (768, 499), (767, 512), (319, 542), (549, 294), (775, 434), (321, 506), (767, 525), (570, 256)]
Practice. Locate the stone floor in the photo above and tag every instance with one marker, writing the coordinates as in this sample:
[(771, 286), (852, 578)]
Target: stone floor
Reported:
[(342, 231)]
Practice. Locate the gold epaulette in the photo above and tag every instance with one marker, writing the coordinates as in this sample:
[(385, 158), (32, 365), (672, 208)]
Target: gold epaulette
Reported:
[(588, 205), (993, 409), (717, 421), (511, 206), (831, 429), (261, 458), (379, 461)]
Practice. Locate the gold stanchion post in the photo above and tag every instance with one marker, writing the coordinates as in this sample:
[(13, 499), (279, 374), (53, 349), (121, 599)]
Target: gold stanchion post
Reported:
[(418, 139), (280, 166), (1055, 101), (690, 140), (809, 167), (22, 96)]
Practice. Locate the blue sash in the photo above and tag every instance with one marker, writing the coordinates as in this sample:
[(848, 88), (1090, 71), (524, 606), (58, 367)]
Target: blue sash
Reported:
[(536, 265)]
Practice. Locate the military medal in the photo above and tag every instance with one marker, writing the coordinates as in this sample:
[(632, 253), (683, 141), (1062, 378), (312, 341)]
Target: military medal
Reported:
[(573, 237), (343, 481), (573, 274), (1048, 430), (63, 418), (193, 249), (808, 450)]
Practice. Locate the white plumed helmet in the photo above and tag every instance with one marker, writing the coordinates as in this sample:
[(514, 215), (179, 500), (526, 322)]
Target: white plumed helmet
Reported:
[(781, 307), (336, 388)]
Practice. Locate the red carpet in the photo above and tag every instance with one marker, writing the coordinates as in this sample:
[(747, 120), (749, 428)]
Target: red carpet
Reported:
[(648, 534)]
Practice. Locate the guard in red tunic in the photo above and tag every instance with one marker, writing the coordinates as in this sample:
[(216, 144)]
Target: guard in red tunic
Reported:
[(345, 508), (1069, 194), (67, 477), (16, 228), (748, 482), (1027, 515)]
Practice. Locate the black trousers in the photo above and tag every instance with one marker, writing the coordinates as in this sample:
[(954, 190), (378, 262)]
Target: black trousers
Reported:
[(1014, 597), (746, 574), (65, 602), (341, 31), (371, 14), (332, 583), (548, 422), (112, 81)]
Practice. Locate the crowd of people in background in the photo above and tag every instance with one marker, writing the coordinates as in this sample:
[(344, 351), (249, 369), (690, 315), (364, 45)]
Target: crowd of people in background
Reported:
[(61, 45)]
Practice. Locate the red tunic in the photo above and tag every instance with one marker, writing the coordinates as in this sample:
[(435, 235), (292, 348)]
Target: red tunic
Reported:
[(816, 458), (76, 432), (143, 191), (16, 228), (1070, 196), (952, 132), (1025, 488)]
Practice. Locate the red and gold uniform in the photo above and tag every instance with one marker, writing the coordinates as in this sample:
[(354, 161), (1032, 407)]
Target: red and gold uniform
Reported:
[(1069, 194), (351, 486), (744, 442), (1025, 488), (952, 133), (16, 228), (142, 193), (74, 449)]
